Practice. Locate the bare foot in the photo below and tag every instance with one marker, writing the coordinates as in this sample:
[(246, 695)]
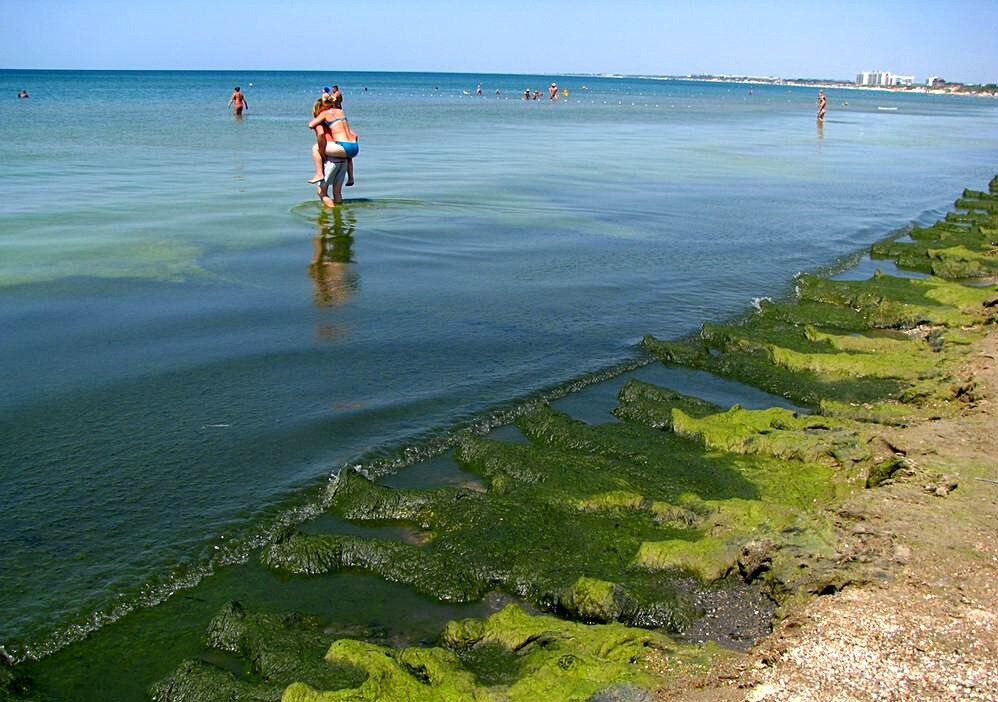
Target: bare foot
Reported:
[(328, 201), (349, 183), (316, 179)]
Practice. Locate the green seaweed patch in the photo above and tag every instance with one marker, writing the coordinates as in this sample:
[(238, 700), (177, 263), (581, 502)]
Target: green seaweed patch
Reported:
[(757, 367), (731, 524), (806, 349), (969, 254), (823, 314), (510, 656), (887, 301), (278, 650), (651, 406), (781, 433), (531, 541), (989, 205)]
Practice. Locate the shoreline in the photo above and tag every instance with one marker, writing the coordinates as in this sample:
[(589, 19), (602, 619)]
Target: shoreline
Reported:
[(751, 440)]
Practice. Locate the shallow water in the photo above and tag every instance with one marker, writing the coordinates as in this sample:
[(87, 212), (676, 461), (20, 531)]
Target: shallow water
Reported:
[(190, 347)]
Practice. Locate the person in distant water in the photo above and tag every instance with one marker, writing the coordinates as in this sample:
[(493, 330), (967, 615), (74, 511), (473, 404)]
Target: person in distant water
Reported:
[(238, 101), (822, 105), (537, 95), (337, 98), (478, 90), (498, 92), (526, 94), (553, 92), (23, 94), (340, 146)]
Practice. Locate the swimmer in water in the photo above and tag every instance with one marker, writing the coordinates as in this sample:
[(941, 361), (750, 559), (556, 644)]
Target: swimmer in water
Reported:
[(238, 101), (822, 105)]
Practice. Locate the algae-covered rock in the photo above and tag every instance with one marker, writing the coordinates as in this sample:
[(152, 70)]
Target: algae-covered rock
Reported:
[(781, 433), (887, 301), (731, 524), (593, 600), (277, 649), (543, 658), (650, 405), (756, 366), (405, 675), (197, 681)]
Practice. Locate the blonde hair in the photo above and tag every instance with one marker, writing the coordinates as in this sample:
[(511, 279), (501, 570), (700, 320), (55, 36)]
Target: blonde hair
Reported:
[(317, 108)]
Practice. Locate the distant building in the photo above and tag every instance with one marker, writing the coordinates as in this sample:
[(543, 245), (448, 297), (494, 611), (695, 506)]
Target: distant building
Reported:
[(935, 81), (883, 79)]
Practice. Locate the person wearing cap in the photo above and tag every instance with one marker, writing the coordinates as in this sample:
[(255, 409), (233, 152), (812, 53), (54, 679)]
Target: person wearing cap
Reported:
[(553, 92)]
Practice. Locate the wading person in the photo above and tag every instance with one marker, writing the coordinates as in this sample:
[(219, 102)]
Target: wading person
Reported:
[(340, 147), (238, 101)]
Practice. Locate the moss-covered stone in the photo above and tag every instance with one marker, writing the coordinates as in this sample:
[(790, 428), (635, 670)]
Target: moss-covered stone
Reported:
[(781, 433), (544, 659), (650, 405), (277, 649), (887, 301)]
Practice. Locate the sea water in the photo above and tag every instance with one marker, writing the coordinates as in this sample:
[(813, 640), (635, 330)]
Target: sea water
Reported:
[(190, 347)]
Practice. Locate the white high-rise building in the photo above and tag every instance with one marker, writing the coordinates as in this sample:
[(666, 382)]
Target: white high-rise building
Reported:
[(883, 79)]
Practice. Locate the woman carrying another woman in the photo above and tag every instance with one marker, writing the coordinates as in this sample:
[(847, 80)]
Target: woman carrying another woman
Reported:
[(336, 142)]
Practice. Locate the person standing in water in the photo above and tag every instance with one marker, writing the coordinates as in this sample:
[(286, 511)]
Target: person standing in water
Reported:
[(553, 92), (478, 90), (526, 94), (341, 146), (822, 105), (238, 101)]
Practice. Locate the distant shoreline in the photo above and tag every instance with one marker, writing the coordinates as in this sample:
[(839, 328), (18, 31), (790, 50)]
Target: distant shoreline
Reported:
[(795, 83)]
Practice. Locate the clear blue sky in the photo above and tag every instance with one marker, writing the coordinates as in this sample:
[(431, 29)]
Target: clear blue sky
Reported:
[(955, 39)]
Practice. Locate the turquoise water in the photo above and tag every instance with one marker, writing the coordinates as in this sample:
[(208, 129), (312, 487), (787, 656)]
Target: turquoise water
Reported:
[(190, 348)]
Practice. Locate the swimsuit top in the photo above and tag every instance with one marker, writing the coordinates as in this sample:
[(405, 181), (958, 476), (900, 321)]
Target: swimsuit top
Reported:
[(331, 123)]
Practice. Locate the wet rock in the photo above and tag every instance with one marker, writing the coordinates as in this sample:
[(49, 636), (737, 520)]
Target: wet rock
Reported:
[(593, 600)]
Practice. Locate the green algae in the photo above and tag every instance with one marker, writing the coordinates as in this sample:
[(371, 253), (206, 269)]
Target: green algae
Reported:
[(572, 509), (756, 366), (278, 650), (607, 523), (954, 250), (544, 658), (888, 301), (650, 405), (781, 433)]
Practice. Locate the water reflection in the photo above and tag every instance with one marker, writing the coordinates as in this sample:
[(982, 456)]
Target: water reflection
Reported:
[(334, 277)]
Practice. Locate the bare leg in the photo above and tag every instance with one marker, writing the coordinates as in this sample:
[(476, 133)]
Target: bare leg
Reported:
[(323, 193), (317, 162), (349, 172)]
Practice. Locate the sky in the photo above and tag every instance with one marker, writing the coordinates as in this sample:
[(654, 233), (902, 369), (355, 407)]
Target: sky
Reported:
[(955, 39)]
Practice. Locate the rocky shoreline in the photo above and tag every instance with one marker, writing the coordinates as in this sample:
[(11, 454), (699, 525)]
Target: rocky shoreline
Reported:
[(641, 555)]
